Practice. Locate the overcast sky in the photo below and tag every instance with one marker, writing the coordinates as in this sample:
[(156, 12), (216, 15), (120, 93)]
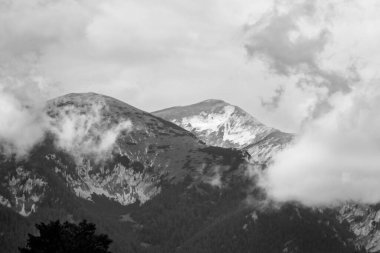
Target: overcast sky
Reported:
[(278, 60)]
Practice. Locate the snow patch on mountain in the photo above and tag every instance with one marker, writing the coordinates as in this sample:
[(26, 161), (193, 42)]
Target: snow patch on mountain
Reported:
[(217, 123), (230, 127)]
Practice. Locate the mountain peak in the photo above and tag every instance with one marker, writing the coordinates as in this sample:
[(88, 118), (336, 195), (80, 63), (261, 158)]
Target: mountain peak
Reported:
[(217, 123), (192, 108), (213, 101), (84, 98), (91, 100)]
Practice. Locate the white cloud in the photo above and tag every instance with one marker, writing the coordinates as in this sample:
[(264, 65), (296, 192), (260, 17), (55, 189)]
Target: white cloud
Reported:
[(317, 47), (337, 157), (325, 48), (22, 122), (291, 39), (86, 133)]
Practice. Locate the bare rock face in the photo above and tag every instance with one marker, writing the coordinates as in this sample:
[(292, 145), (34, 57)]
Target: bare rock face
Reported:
[(364, 222), (24, 190)]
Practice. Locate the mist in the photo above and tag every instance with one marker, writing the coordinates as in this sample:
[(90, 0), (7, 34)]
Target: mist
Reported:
[(87, 133), (23, 122), (336, 156)]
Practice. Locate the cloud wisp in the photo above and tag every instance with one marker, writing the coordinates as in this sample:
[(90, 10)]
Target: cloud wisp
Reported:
[(274, 101), (290, 39), (87, 133), (23, 122)]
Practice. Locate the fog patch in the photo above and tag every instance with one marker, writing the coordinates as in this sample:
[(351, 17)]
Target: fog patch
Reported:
[(22, 119), (336, 158), (87, 133)]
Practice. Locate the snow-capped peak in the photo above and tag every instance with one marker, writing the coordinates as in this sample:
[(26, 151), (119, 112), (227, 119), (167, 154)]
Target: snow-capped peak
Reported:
[(217, 123)]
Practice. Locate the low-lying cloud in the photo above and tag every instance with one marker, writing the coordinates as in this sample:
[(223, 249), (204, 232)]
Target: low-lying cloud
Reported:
[(22, 121), (25, 122), (337, 157), (86, 133)]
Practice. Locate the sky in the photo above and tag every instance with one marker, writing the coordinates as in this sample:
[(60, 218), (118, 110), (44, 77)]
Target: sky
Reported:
[(260, 55)]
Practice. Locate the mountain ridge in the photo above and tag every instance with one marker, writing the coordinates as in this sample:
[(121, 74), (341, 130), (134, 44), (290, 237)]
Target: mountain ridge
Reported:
[(219, 123)]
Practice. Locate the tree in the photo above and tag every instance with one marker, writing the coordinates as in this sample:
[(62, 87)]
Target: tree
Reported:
[(57, 237)]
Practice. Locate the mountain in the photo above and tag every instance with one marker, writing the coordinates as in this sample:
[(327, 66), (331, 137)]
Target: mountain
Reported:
[(152, 186), (99, 148), (129, 171), (218, 123), (221, 124)]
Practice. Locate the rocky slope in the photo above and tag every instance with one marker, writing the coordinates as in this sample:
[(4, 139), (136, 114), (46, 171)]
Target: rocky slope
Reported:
[(220, 124), (364, 222)]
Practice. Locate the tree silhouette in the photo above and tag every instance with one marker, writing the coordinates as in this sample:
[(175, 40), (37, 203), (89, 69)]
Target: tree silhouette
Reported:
[(57, 237)]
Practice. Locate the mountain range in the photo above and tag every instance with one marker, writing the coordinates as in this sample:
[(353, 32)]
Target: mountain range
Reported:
[(175, 180)]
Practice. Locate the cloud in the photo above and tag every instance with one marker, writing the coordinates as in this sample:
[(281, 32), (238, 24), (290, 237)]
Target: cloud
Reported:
[(277, 37), (337, 157), (86, 133), (25, 122), (215, 179), (22, 121), (274, 101), (291, 39), (42, 42)]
